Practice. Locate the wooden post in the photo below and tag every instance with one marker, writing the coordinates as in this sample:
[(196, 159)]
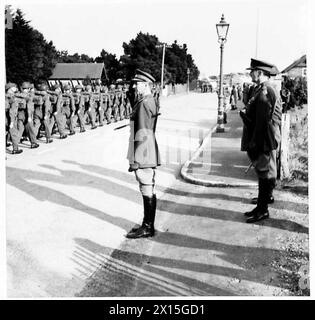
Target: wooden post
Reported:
[(284, 147)]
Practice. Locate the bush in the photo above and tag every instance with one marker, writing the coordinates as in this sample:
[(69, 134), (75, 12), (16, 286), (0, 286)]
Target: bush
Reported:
[(298, 91)]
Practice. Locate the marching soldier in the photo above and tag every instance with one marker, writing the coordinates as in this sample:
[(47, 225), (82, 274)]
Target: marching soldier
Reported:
[(99, 108), (90, 106), (26, 114), (143, 153), (114, 102), (68, 108), (79, 106), (11, 109), (43, 112), (262, 119), (120, 101), (57, 103), (106, 104), (126, 101)]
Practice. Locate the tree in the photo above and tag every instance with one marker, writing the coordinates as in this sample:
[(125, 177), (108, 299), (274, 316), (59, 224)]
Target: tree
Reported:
[(65, 57), (112, 66), (28, 56)]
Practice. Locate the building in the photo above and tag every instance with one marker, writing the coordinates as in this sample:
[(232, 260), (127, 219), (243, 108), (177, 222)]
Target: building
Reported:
[(76, 73), (296, 69)]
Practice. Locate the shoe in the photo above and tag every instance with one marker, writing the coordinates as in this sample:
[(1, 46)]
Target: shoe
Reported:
[(63, 136), (82, 130), (143, 231), (94, 127), (17, 151), (71, 133), (270, 200), (251, 213), (34, 145), (101, 125), (49, 141), (260, 215)]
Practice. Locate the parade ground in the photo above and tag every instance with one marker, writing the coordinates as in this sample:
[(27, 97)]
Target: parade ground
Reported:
[(69, 205)]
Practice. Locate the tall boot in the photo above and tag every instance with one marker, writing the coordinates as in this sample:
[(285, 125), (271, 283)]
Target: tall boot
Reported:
[(261, 211), (147, 227), (260, 191)]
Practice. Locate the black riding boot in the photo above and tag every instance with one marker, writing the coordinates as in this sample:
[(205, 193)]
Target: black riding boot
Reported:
[(147, 227), (261, 211), (272, 185)]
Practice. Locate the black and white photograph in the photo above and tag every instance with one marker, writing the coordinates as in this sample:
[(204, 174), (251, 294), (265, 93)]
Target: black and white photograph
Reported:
[(155, 149)]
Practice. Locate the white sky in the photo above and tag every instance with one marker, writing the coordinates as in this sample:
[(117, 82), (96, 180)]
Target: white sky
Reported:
[(90, 26)]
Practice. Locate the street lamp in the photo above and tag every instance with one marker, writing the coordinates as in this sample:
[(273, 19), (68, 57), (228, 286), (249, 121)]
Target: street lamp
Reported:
[(188, 72), (222, 30)]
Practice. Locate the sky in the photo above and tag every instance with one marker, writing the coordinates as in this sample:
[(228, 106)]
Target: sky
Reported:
[(90, 26)]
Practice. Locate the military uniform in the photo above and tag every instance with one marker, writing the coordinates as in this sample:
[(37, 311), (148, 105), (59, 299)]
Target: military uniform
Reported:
[(11, 108), (43, 112), (106, 104), (114, 102), (99, 108), (143, 153), (26, 114), (262, 121), (57, 103), (79, 107), (89, 104), (68, 108)]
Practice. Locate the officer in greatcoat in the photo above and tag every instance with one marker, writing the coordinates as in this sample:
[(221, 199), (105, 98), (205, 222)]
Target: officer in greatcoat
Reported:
[(143, 153), (262, 121)]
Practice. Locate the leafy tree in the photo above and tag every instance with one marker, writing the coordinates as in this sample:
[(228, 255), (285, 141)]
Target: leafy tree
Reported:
[(28, 56), (65, 57), (143, 53), (112, 66)]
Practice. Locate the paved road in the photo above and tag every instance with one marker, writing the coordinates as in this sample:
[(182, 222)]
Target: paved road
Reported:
[(77, 191), (70, 204)]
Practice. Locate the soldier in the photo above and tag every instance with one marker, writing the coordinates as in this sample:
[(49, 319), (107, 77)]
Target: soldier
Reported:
[(11, 109), (106, 104), (68, 108), (262, 118), (57, 103), (143, 153), (79, 106), (127, 101), (120, 100), (114, 102), (43, 112), (99, 108), (90, 106), (26, 114)]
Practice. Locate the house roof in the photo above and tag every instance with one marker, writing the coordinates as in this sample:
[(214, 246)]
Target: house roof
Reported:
[(78, 71), (300, 63)]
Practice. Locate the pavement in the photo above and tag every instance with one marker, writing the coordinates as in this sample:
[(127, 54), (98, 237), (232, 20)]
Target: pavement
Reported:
[(69, 205), (218, 162)]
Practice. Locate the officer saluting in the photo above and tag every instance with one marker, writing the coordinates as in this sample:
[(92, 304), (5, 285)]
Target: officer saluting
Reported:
[(143, 153), (262, 120)]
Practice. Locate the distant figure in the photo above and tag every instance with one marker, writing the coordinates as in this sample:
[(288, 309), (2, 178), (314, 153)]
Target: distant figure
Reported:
[(233, 98), (239, 92)]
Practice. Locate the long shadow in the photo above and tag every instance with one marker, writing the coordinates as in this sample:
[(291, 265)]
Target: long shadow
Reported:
[(19, 178), (279, 204), (73, 177), (252, 264)]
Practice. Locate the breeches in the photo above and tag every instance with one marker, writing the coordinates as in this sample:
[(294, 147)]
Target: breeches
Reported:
[(146, 179), (265, 165)]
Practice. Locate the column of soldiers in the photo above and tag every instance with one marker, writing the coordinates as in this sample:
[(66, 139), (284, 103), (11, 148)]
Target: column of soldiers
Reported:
[(33, 113)]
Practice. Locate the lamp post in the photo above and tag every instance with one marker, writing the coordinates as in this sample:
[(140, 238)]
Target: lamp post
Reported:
[(222, 30), (163, 58), (188, 72)]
